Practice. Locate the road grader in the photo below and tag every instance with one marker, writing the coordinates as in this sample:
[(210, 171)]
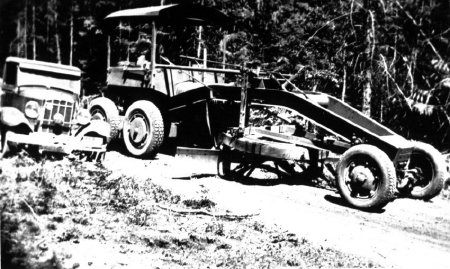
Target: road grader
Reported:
[(150, 102)]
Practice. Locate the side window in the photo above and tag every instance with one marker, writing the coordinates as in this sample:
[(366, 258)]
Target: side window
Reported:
[(10, 73)]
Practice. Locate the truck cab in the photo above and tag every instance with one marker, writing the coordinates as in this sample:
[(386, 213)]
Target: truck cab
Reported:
[(40, 106)]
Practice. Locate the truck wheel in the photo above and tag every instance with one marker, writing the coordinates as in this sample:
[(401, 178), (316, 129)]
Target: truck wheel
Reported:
[(366, 177), (143, 129), (104, 109), (431, 171)]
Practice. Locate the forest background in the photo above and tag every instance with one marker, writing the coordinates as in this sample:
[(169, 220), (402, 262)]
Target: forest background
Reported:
[(389, 59)]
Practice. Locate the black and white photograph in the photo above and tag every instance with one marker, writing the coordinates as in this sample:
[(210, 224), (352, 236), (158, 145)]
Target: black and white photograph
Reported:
[(224, 134)]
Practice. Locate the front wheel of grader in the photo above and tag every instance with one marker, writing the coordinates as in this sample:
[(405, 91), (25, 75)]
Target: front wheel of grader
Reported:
[(366, 177)]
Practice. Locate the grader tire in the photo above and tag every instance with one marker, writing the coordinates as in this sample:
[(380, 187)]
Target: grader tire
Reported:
[(224, 163), (143, 129), (366, 177), (104, 109), (431, 164)]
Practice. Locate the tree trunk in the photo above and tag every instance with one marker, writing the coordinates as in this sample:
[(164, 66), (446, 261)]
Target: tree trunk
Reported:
[(25, 34), (108, 52), (344, 84), (367, 84), (71, 35), (58, 47), (33, 29), (18, 34), (47, 25), (367, 92), (259, 4)]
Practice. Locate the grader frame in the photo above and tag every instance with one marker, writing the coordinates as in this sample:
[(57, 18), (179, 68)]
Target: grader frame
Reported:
[(376, 165), (202, 110)]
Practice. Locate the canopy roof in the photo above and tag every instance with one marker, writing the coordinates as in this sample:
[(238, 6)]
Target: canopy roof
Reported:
[(173, 14)]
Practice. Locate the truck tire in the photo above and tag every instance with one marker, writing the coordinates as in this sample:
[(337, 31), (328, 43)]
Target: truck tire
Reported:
[(104, 109), (143, 129), (366, 177), (431, 168)]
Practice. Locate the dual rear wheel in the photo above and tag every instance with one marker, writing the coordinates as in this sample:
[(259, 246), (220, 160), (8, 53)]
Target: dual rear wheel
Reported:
[(142, 128)]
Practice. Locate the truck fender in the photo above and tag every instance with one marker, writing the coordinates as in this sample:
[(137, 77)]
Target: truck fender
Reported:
[(98, 127), (12, 117)]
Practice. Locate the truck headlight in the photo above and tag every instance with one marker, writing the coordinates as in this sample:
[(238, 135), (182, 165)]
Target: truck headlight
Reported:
[(32, 109), (83, 117)]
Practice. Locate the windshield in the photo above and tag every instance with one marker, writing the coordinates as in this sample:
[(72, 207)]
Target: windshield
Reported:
[(131, 42), (48, 79)]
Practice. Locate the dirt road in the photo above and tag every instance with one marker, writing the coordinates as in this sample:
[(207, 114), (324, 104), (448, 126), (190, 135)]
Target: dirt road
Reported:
[(406, 234)]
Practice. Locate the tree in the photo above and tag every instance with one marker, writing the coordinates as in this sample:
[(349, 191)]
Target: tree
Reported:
[(376, 55)]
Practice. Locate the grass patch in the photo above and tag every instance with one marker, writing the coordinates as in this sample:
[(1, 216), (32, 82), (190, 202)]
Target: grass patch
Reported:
[(59, 203)]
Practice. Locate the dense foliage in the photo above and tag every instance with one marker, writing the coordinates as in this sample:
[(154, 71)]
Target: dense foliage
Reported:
[(387, 58)]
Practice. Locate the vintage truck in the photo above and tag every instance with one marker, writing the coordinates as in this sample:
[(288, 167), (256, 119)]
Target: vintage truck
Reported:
[(207, 107), (40, 108)]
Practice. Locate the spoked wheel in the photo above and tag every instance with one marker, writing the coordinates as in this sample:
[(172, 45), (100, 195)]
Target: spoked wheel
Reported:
[(143, 130), (105, 110), (429, 170), (366, 177)]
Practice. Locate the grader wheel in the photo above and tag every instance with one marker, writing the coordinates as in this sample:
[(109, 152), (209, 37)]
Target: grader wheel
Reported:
[(366, 177)]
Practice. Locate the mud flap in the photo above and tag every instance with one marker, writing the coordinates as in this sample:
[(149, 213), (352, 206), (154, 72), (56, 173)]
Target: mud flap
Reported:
[(95, 126)]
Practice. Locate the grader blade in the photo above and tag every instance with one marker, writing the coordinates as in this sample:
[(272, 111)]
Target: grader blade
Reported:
[(195, 161)]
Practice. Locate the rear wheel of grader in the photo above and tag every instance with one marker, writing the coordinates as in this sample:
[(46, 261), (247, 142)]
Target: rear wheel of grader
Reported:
[(104, 109), (429, 171), (143, 129), (366, 177)]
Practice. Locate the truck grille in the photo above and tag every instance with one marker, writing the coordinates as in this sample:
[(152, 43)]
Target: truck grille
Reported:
[(52, 107)]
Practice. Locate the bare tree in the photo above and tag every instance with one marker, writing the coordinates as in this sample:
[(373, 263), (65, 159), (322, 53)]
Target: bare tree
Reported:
[(71, 33), (25, 32), (18, 34), (57, 37), (33, 28), (369, 53)]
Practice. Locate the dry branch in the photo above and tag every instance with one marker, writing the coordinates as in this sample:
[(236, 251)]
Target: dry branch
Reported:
[(326, 24), (205, 213), (36, 217), (427, 40), (399, 91)]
